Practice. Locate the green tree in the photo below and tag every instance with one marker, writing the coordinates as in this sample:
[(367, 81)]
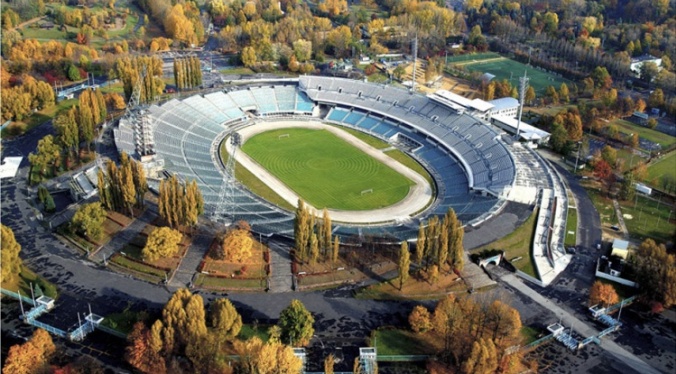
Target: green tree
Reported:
[(89, 219), (296, 324), (73, 73), (9, 248), (47, 154), (649, 71), (627, 190), (404, 264), (326, 232), (162, 242), (655, 272), (248, 56), (225, 319), (67, 130), (609, 154), (656, 98), (559, 138), (602, 78), (564, 93), (530, 94)]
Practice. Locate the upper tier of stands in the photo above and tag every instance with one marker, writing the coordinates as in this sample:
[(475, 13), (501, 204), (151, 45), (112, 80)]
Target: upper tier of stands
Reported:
[(485, 159)]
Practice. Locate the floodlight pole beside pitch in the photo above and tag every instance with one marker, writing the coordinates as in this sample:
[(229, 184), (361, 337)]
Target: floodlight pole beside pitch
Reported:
[(226, 195)]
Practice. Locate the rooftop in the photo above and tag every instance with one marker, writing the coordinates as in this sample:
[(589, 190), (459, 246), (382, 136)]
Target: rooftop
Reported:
[(476, 104), (504, 103), (644, 58), (620, 244)]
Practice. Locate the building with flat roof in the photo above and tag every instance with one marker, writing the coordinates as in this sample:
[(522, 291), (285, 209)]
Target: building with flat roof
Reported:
[(620, 249), (637, 62), (527, 132), (83, 185), (505, 107), (475, 107)]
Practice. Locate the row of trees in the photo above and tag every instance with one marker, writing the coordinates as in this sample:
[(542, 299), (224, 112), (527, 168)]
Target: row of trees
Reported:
[(122, 188), (475, 333), (440, 242), (187, 72), (187, 330), (313, 237), (180, 204), (129, 70)]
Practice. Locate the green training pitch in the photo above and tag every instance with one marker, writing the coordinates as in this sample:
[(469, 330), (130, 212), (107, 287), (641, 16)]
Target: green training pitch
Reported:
[(326, 171), (505, 68)]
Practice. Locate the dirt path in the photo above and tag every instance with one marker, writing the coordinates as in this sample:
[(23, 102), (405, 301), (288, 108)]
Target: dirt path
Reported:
[(418, 196), (470, 62), (26, 23)]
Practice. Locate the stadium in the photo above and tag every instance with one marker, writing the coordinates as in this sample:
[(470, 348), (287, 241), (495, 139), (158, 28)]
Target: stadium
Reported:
[(474, 166)]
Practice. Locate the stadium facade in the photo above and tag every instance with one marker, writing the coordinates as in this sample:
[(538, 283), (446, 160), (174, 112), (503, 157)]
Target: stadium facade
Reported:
[(471, 164)]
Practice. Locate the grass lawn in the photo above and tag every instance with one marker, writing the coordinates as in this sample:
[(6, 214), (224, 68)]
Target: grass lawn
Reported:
[(518, 244), (123, 321), (603, 205), (401, 342), (45, 115), (366, 138), (249, 331), (646, 133), (327, 171), (415, 288), (505, 68), (410, 163), (664, 166), (216, 283), (571, 228), (378, 78), (237, 70), (156, 275), (630, 160), (254, 184), (648, 218), (25, 279), (529, 334)]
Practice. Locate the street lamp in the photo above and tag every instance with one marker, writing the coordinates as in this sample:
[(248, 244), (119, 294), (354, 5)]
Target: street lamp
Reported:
[(578, 156)]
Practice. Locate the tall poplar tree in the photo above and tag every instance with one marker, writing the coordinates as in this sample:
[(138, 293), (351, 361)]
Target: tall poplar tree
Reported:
[(404, 264), (326, 231)]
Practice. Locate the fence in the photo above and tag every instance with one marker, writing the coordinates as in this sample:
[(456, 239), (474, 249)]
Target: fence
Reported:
[(538, 342), (110, 331)]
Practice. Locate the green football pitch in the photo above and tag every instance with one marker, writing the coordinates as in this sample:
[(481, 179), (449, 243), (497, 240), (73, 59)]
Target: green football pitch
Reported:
[(505, 68), (326, 171)]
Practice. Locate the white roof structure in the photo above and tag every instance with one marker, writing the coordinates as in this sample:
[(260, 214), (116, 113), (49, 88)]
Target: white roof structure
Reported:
[(454, 100), (9, 167), (504, 103), (526, 131)]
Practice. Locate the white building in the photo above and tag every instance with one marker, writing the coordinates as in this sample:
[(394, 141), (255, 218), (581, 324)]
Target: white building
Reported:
[(83, 185), (505, 107), (476, 107), (527, 132), (637, 62)]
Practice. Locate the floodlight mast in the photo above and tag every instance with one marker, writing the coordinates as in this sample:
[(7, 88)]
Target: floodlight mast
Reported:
[(522, 95), (226, 195)]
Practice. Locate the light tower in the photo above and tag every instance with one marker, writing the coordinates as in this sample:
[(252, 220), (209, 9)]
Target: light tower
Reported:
[(415, 61), (226, 196), (523, 81)]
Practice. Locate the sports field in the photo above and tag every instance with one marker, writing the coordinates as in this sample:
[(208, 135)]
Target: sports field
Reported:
[(325, 170), (505, 68), (665, 166)]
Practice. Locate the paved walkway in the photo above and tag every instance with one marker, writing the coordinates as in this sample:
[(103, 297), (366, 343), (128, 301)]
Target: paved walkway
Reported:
[(620, 219), (193, 256), (127, 234), (581, 327), (280, 268), (417, 199)]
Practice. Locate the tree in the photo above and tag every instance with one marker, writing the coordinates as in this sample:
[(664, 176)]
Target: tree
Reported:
[(48, 153), (9, 248), (602, 169), (237, 244), (456, 235), (483, 359), (314, 249), (248, 56), (648, 71), (302, 230), (399, 72), (420, 244), (434, 274), (329, 362), (32, 356), (404, 264), (530, 94), (73, 73), (655, 272), (225, 319), (627, 190), (652, 123), (559, 137), (609, 154), (67, 130), (551, 93), (162, 242), (420, 319), (603, 294), (602, 78), (139, 352), (296, 324), (336, 249), (504, 321), (88, 220), (564, 93), (326, 232), (656, 98)]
